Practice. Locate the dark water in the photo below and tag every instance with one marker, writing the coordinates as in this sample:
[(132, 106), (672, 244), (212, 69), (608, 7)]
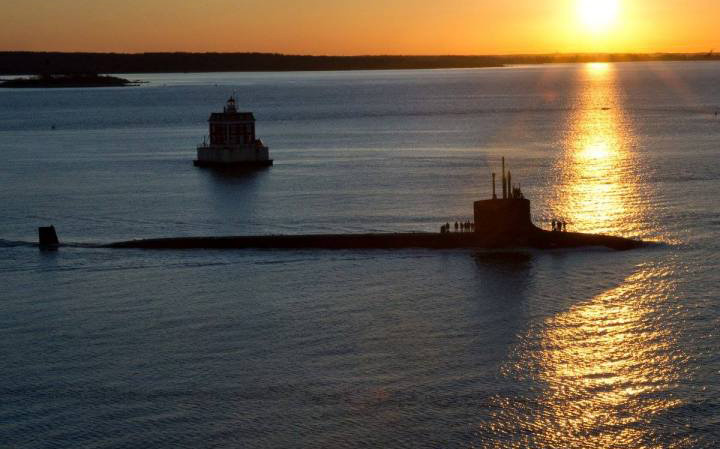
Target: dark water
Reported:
[(585, 348)]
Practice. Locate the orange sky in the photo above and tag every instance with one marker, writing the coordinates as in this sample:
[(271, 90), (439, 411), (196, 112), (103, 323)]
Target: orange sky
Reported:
[(347, 27)]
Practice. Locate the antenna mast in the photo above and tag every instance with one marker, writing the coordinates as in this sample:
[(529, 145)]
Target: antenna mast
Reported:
[(504, 180)]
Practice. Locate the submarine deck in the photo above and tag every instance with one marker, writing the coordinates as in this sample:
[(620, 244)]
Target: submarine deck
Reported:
[(537, 238)]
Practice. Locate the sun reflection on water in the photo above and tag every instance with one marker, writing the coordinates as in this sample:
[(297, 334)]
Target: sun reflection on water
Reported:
[(599, 373), (603, 371), (604, 364), (597, 67), (597, 185)]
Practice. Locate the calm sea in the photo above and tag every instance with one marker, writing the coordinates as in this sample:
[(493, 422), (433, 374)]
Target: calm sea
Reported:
[(417, 349)]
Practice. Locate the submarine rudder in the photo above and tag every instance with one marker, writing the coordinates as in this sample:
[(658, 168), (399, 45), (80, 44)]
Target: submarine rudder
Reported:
[(47, 238)]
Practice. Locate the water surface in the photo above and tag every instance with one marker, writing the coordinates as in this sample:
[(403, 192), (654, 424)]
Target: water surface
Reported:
[(583, 348)]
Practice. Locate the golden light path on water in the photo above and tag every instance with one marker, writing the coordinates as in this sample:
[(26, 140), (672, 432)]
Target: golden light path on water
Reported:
[(599, 187), (600, 372), (596, 373)]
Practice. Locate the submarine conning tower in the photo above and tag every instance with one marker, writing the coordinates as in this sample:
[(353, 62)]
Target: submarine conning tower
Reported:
[(508, 215)]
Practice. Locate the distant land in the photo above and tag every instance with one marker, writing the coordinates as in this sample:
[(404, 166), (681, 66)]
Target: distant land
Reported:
[(24, 63), (78, 80)]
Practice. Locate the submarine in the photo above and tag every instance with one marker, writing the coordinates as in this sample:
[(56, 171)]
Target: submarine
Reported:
[(499, 223)]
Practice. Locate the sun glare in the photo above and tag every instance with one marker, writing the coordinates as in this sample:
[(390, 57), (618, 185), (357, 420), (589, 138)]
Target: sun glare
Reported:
[(598, 15), (597, 68)]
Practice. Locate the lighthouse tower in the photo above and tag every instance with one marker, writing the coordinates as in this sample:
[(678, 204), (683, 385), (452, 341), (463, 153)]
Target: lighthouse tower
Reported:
[(232, 141)]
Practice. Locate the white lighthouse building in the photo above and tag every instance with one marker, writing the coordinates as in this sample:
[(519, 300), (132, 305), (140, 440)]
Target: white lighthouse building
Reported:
[(232, 141)]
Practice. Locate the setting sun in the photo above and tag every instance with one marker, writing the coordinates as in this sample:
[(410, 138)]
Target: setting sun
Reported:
[(363, 27), (598, 15)]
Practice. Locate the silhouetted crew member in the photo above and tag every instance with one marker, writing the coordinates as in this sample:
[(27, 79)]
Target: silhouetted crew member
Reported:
[(553, 224), (456, 226)]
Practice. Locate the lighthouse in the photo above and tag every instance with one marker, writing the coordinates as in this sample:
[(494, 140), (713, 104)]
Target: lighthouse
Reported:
[(232, 141)]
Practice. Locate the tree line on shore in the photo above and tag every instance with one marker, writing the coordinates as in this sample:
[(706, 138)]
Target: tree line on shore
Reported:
[(22, 63)]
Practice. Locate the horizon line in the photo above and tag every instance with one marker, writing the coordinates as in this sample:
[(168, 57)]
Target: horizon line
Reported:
[(369, 55)]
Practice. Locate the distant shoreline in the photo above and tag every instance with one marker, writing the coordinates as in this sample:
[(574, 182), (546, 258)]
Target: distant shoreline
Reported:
[(22, 63), (60, 81)]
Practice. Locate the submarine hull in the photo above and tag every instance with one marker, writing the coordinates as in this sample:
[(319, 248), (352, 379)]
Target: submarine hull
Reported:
[(536, 238)]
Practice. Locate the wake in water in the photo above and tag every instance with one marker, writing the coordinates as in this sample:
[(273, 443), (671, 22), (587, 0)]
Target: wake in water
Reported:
[(15, 243), (21, 243)]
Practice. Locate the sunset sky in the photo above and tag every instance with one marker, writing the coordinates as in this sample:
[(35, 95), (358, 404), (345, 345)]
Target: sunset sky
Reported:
[(351, 27)]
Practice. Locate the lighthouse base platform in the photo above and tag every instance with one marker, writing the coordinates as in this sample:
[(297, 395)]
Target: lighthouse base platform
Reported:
[(233, 165)]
